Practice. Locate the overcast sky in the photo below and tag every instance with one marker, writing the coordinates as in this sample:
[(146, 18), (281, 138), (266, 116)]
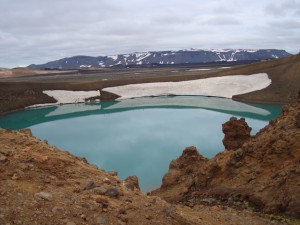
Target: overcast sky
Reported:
[(38, 31)]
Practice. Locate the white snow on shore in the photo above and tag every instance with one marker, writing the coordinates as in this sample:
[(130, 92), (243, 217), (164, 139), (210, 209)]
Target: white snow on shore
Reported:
[(67, 97), (226, 86), (201, 69)]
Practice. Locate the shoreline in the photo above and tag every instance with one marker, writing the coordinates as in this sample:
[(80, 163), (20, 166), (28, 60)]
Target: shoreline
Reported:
[(16, 94), (55, 104)]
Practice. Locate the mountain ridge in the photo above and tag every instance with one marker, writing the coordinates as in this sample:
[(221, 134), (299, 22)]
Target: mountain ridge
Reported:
[(163, 58)]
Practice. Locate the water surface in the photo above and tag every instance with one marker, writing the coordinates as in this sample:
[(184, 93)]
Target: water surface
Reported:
[(139, 136)]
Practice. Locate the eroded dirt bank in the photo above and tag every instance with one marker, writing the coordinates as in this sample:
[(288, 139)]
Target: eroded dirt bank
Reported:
[(260, 172), (40, 184)]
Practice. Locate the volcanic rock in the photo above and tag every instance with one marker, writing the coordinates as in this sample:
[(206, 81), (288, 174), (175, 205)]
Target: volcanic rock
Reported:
[(3, 158), (262, 175), (132, 182), (100, 190), (237, 132), (68, 203), (112, 192), (107, 96), (297, 118), (43, 196), (89, 185)]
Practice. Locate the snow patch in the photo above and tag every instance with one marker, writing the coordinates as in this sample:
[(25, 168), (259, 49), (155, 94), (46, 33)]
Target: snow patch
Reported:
[(114, 57), (251, 50), (202, 69), (141, 56), (224, 67), (85, 66), (67, 97), (226, 87), (167, 54)]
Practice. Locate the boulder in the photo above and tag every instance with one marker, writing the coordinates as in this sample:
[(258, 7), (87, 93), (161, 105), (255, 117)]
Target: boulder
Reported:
[(298, 120), (107, 96), (132, 182), (237, 132)]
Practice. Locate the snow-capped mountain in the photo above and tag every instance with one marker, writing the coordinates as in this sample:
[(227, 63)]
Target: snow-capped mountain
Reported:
[(164, 58)]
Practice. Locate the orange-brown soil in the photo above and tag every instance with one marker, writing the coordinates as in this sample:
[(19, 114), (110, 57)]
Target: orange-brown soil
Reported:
[(40, 184), (263, 173), (20, 72)]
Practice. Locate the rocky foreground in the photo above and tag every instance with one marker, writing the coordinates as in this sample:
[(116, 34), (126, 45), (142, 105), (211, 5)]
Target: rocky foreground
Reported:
[(40, 184), (260, 172)]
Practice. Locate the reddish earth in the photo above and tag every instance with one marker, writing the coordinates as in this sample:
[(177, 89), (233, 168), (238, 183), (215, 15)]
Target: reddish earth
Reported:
[(261, 172), (21, 72), (40, 184)]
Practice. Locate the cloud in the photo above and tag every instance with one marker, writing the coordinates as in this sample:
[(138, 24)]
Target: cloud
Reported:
[(289, 25), (283, 8), (222, 21), (35, 31)]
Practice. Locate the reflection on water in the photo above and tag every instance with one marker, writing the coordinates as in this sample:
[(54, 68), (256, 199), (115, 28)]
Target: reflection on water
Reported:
[(139, 136)]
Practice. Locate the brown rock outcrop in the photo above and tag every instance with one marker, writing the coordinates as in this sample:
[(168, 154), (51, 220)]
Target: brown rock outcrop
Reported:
[(39, 184), (298, 120), (132, 182), (264, 174), (107, 96), (11, 100), (237, 132)]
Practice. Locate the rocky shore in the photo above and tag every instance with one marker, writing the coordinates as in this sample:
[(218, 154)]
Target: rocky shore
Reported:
[(260, 172), (40, 184)]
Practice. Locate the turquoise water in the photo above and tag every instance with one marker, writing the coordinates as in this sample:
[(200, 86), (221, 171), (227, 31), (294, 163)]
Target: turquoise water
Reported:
[(139, 136)]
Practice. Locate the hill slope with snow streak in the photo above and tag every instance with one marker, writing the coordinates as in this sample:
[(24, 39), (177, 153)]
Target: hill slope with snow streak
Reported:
[(164, 58)]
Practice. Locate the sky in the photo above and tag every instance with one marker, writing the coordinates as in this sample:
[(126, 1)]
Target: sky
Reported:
[(38, 31)]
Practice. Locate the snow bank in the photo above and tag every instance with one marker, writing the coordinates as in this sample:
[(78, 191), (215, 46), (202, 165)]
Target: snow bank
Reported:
[(67, 97), (217, 86), (64, 97)]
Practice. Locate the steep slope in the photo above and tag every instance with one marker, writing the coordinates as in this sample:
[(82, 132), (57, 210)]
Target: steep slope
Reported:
[(164, 58), (285, 76), (40, 184), (263, 174)]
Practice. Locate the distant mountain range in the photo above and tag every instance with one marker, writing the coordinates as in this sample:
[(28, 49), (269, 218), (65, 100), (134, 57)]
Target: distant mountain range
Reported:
[(164, 58)]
